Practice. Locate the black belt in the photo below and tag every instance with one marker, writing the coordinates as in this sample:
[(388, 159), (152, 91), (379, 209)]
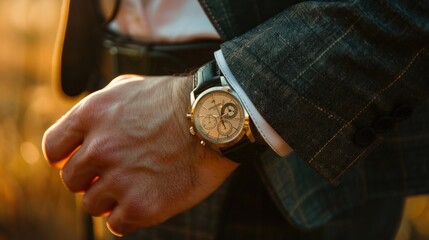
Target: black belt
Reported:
[(124, 56)]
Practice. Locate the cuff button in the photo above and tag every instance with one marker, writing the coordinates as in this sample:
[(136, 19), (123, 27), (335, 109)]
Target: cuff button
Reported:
[(402, 112)]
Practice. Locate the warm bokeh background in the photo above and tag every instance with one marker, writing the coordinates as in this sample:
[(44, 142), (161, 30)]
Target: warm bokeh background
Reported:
[(33, 202)]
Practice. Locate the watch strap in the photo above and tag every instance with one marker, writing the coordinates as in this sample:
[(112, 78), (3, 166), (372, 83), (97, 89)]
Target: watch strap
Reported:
[(206, 77), (244, 151)]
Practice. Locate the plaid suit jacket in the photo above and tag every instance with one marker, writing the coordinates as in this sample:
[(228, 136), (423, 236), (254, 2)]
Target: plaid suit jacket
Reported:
[(339, 81)]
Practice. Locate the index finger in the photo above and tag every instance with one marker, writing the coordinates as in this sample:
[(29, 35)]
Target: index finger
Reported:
[(62, 139)]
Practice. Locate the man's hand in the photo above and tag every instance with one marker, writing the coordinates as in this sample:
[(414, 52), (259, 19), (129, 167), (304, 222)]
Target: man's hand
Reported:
[(127, 147)]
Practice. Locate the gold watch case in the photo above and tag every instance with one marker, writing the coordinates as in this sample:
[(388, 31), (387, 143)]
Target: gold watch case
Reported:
[(218, 118)]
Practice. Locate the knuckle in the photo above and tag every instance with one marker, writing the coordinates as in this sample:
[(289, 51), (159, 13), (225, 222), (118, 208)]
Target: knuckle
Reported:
[(96, 150), (97, 200), (88, 111), (101, 152), (94, 207), (94, 204), (87, 203), (116, 180), (133, 211), (124, 77), (138, 213), (92, 108), (93, 154)]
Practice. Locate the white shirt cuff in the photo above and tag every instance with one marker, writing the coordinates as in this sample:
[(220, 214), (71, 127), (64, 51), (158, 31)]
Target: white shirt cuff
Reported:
[(270, 136)]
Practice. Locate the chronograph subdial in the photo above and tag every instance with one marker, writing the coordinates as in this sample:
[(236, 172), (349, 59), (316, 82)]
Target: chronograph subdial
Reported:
[(224, 128), (209, 122), (229, 110)]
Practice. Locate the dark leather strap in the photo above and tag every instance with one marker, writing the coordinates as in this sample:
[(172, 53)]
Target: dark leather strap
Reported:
[(209, 76), (244, 151), (206, 77)]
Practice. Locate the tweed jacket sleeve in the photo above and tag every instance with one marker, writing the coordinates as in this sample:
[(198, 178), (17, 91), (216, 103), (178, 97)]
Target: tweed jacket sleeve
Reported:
[(330, 77)]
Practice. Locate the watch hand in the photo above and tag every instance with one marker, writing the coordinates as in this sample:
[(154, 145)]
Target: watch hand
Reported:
[(217, 109), (214, 106), (223, 123)]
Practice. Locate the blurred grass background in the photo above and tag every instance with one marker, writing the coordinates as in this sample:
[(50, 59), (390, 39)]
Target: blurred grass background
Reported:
[(33, 202)]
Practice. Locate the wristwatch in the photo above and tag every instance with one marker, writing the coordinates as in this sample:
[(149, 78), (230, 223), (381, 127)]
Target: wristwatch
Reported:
[(219, 119)]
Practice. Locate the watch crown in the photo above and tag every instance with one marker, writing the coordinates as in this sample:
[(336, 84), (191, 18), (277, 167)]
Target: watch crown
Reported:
[(192, 130), (203, 143)]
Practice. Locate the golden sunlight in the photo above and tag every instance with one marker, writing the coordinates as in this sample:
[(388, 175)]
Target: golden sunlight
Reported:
[(33, 201)]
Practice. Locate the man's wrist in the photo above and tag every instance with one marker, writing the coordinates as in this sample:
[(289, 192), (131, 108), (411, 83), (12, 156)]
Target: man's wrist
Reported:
[(182, 87)]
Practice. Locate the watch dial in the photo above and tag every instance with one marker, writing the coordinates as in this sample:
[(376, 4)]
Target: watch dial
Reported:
[(219, 117)]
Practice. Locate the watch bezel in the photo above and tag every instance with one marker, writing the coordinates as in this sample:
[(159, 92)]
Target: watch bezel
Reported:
[(246, 125)]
